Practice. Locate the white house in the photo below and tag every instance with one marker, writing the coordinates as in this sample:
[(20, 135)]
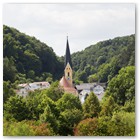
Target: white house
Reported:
[(98, 90), (24, 89), (85, 89)]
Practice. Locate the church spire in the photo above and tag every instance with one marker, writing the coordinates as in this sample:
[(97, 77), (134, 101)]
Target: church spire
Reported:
[(67, 56)]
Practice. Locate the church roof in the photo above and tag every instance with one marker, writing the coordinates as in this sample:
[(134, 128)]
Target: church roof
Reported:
[(63, 82), (67, 88), (67, 55), (71, 90)]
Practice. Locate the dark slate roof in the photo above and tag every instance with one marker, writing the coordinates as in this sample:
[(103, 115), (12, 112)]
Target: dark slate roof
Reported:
[(88, 86), (85, 86), (67, 55)]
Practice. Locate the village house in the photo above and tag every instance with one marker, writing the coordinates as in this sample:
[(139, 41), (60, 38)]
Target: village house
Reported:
[(24, 89), (85, 89)]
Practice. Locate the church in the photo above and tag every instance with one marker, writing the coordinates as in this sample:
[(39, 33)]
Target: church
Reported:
[(82, 89), (66, 81)]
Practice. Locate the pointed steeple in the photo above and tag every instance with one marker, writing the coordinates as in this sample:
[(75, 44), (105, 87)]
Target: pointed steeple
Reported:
[(67, 55)]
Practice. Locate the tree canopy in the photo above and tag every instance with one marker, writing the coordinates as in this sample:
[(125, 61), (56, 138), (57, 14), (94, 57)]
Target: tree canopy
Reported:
[(27, 55), (106, 57), (122, 86), (91, 106)]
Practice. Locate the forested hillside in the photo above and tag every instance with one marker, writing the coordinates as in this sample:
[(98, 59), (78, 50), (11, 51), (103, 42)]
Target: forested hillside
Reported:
[(28, 59), (102, 61)]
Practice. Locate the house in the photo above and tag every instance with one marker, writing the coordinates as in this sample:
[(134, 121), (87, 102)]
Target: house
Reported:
[(24, 89), (85, 89), (98, 89), (85, 86)]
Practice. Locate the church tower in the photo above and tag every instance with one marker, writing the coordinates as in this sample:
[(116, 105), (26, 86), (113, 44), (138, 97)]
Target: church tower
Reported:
[(66, 81), (68, 65)]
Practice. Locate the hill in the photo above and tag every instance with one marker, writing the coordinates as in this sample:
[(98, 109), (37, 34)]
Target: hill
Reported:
[(28, 59), (100, 62)]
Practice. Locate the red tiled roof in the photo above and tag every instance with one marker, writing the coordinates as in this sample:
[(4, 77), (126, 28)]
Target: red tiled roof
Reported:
[(63, 82), (70, 90), (67, 88)]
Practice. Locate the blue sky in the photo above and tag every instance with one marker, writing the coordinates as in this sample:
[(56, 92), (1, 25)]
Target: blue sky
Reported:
[(85, 24)]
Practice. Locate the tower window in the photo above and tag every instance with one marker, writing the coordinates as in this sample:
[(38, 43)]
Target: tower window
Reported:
[(68, 74)]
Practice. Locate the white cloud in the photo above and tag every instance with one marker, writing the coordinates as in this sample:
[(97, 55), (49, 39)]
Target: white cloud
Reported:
[(84, 23)]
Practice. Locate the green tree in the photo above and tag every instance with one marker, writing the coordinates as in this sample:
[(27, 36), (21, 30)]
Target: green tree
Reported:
[(15, 107), (122, 124), (68, 119), (37, 102), (122, 87), (31, 74), (70, 113), (49, 117), (129, 106), (93, 78), (87, 127), (9, 69), (69, 101), (103, 123), (17, 129), (32, 62), (82, 76), (104, 71), (8, 91), (27, 128), (21, 78), (108, 106), (91, 106), (89, 69), (101, 60), (54, 92)]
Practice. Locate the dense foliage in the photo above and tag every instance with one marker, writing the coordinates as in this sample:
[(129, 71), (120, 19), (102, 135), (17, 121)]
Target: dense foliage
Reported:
[(26, 57), (91, 106), (42, 114), (102, 61), (121, 124), (60, 115), (122, 86)]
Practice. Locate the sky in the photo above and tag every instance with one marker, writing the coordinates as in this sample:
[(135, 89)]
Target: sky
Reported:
[(84, 24)]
